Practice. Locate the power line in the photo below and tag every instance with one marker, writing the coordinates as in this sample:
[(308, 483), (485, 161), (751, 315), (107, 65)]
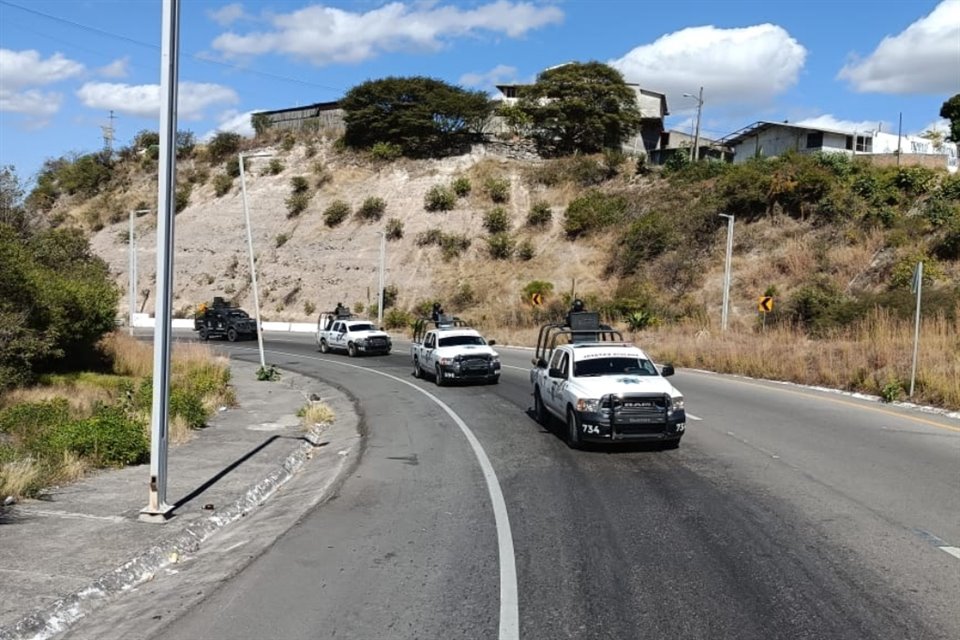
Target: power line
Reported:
[(196, 57)]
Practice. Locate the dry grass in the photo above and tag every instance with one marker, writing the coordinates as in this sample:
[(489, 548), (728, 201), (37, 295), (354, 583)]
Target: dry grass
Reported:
[(178, 430), (131, 357), (69, 469), (80, 394), (315, 413), (20, 478)]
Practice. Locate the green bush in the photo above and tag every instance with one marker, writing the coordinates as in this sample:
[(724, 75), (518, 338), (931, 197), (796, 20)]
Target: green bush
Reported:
[(222, 183), (108, 438), (461, 186), (182, 196), (30, 424), (337, 212), (222, 145), (497, 220), (232, 167), (540, 214), (372, 208), (640, 320), (950, 186), (86, 175), (299, 184), (915, 181), (288, 141), (525, 250), (453, 244), (429, 237), (397, 319), (439, 198), (281, 239), (394, 229), (498, 189), (274, 167), (188, 404), (948, 246), (464, 296), (297, 203), (646, 238), (386, 151), (542, 287), (593, 211), (500, 246), (902, 275)]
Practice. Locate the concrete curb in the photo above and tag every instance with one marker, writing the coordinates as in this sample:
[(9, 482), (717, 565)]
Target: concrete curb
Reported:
[(60, 615)]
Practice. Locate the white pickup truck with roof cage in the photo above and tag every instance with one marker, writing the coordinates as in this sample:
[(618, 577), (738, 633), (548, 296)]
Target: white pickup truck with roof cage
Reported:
[(602, 388), (346, 332), (452, 352)]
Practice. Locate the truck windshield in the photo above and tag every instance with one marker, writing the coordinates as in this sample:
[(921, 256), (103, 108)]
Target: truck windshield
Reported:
[(363, 326), (237, 314), (613, 366), (456, 341)]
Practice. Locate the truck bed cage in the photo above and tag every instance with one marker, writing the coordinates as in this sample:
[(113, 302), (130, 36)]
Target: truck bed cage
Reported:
[(422, 325), (583, 326)]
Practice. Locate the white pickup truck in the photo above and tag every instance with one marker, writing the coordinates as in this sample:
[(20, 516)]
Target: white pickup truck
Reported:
[(348, 333), (453, 351), (604, 389)]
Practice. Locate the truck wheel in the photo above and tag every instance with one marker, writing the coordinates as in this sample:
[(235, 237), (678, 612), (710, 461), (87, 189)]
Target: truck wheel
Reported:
[(573, 429), (539, 410), (671, 444), (203, 334), (417, 371), (324, 347), (352, 350), (438, 376), (232, 335)]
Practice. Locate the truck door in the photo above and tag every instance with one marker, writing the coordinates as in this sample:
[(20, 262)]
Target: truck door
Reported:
[(560, 362), (430, 351), (337, 335)]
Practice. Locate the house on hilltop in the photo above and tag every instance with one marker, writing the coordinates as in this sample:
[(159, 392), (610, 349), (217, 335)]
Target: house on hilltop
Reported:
[(770, 139), (321, 115)]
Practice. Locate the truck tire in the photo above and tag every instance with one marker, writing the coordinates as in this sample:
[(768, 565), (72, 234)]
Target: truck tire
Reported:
[(417, 371), (324, 347), (438, 376), (573, 429), (539, 410), (352, 350), (203, 334), (671, 444), (232, 334)]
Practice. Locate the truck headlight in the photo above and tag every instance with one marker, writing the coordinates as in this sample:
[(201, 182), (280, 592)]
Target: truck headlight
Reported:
[(588, 405), (446, 361), (676, 403)]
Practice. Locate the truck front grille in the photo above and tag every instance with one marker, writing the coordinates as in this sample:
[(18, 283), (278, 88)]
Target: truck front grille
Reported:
[(635, 413)]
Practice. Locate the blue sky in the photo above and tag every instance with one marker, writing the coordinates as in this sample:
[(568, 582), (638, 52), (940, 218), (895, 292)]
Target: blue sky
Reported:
[(65, 64)]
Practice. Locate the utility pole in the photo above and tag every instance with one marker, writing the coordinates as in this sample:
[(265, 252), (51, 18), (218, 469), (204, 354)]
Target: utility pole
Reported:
[(917, 288), (696, 136), (383, 250), (157, 509), (253, 264), (726, 272), (134, 280), (108, 133), (899, 134)]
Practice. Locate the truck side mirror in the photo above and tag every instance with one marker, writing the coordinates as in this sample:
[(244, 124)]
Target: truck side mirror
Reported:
[(555, 373), (492, 343), (540, 363), (667, 370)]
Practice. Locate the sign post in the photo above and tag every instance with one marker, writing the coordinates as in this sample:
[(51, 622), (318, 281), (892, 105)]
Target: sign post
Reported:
[(765, 306), (916, 287)]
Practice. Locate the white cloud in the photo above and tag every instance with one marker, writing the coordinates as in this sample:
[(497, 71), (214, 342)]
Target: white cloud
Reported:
[(748, 65), (827, 121), (116, 69), (942, 125), (500, 74), (924, 58), (26, 69), (234, 122), (227, 14), (34, 103), (325, 35), (144, 100)]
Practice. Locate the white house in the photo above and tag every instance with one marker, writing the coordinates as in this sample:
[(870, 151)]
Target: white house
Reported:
[(769, 139)]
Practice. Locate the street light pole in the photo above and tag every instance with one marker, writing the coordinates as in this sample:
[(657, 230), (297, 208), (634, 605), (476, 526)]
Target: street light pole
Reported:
[(253, 265), (132, 293), (383, 250), (695, 150), (726, 272)]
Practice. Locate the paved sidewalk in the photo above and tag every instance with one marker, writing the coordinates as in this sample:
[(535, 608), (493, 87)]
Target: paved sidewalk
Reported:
[(64, 556)]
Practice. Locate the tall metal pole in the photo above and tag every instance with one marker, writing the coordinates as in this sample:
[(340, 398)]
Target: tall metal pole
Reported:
[(726, 271), (918, 282), (157, 509), (899, 134), (253, 264), (132, 272), (696, 136), (383, 250)]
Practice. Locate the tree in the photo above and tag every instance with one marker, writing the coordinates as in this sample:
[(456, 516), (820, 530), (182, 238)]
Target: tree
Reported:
[(11, 199), (951, 111), (423, 116), (580, 107), (260, 123)]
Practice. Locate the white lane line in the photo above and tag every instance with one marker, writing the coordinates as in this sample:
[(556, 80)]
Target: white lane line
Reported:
[(75, 516), (509, 602), (954, 551), (510, 366), (693, 417)]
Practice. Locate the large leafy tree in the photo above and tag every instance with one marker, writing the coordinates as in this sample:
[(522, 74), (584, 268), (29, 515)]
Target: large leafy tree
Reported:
[(951, 111), (580, 107), (424, 117)]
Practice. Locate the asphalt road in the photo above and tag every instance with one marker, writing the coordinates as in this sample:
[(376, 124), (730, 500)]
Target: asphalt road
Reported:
[(785, 513)]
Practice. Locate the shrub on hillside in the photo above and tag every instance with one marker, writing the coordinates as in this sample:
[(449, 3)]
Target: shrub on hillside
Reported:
[(232, 168), (542, 287), (429, 237), (299, 184), (497, 220), (453, 245), (394, 229), (500, 246), (439, 198), (525, 250), (397, 319), (372, 208), (337, 212), (297, 202), (498, 189), (182, 196), (461, 186), (386, 151), (593, 211), (222, 145), (540, 214), (274, 167), (222, 183)]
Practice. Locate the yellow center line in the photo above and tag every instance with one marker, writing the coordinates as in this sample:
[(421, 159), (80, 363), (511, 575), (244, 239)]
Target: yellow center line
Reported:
[(847, 403)]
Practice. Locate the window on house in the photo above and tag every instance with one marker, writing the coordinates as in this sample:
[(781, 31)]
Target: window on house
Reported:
[(815, 140), (849, 145), (864, 144)]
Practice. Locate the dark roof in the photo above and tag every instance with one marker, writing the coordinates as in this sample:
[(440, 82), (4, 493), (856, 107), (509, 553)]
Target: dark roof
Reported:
[(319, 106), (760, 126)]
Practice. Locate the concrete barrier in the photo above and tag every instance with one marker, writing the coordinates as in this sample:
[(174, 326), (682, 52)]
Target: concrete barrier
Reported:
[(143, 321)]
